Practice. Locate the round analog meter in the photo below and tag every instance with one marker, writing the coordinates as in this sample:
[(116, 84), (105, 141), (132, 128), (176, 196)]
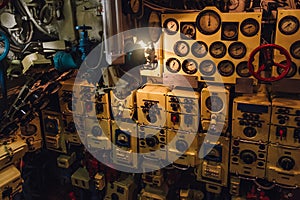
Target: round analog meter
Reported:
[(208, 22), (181, 48), (229, 31), (249, 27), (188, 31), (288, 25), (189, 66), (295, 49), (199, 49), (242, 69), (207, 67), (292, 71), (171, 26), (226, 68), (214, 103), (217, 49), (237, 50), (173, 65), (30, 129)]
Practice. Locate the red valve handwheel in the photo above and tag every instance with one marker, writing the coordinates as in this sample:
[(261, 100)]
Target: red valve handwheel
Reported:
[(285, 67), (4, 3)]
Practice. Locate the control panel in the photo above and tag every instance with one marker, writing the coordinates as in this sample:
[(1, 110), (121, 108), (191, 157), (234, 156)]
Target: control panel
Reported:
[(123, 103), (122, 189)]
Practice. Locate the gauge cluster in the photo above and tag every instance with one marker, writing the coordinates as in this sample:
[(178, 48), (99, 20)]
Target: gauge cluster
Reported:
[(210, 45), (287, 36)]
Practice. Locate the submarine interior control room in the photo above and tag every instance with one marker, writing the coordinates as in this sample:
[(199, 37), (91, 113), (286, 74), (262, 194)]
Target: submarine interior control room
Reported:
[(149, 99)]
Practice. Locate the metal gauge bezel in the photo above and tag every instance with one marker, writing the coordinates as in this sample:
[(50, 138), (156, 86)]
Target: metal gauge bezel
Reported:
[(292, 48), (188, 71), (222, 72), (230, 31), (213, 46), (283, 20), (154, 26), (195, 48), (242, 65), (27, 128), (203, 65), (202, 16), (217, 107), (239, 55), (168, 65), (292, 72), (167, 28), (177, 52), (187, 30), (246, 22)]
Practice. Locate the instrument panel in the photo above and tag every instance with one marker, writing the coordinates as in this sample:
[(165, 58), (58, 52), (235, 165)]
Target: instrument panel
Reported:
[(210, 45)]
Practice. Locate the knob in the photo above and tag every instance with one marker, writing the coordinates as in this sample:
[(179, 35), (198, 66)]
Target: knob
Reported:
[(249, 132), (248, 156), (181, 145), (152, 141), (96, 131), (175, 118), (286, 163)]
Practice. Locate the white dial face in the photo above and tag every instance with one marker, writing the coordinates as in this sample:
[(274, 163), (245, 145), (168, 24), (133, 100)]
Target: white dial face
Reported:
[(289, 25), (173, 65), (209, 22), (189, 66), (172, 26), (199, 49), (181, 48), (207, 67)]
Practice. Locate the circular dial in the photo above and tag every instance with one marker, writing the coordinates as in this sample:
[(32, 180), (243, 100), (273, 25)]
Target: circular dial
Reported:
[(207, 67), (237, 50), (96, 131), (173, 65), (242, 69), (286, 163), (292, 70), (249, 27), (181, 145), (154, 27), (135, 6), (30, 129), (181, 48), (152, 141), (226, 68), (199, 49), (248, 157), (214, 103), (189, 66), (288, 25), (295, 49), (171, 26), (229, 31), (249, 132), (217, 49), (208, 22), (188, 31)]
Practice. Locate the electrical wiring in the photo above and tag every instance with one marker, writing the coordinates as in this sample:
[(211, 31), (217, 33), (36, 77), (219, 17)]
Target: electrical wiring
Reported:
[(164, 9)]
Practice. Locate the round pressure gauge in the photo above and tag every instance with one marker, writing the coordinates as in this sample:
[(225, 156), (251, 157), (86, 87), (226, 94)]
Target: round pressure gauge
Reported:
[(208, 22), (295, 49), (292, 71), (288, 25), (226, 68), (30, 129), (181, 48), (199, 49), (188, 31), (237, 50), (171, 26), (249, 27), (229, 31), (189, 66), (207, 67), (217, 49), (173, 65), (214, 103), (242, 69)]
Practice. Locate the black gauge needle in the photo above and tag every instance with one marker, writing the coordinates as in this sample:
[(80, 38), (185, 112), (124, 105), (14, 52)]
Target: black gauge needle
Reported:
[(289, 24), (208, 19)]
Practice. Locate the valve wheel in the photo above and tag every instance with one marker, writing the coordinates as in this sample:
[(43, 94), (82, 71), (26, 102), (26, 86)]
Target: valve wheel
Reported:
[(269, 61)]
